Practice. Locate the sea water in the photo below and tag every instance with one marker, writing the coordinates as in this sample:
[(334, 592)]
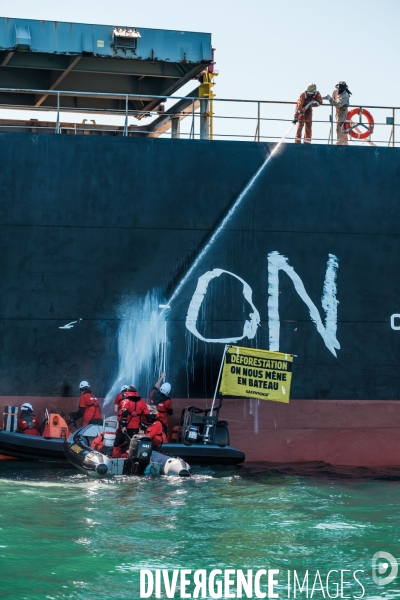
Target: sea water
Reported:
[(63, 535)]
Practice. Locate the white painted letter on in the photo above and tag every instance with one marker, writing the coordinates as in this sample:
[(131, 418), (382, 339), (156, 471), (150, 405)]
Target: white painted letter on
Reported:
[(250, 326), (276, 263)]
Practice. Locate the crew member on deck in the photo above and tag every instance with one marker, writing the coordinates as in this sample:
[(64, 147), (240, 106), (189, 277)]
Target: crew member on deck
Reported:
[(89, 407), (159, 397), (304, 112), (340, 99), (27, 421)]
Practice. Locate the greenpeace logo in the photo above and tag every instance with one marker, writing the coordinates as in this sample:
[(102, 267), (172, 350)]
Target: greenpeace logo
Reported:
[(256, 393)]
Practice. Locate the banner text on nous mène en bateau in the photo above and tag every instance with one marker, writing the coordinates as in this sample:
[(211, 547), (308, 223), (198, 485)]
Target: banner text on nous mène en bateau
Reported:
[(249, 373)]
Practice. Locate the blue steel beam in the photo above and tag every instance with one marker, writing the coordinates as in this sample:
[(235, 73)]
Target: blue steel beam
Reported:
[(53, 37), (97, 58)]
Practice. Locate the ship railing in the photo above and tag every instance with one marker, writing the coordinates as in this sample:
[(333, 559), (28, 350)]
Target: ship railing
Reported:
[(201, 118)]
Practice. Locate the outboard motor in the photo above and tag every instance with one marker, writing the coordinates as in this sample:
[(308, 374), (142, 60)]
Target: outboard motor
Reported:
[(140, 450)]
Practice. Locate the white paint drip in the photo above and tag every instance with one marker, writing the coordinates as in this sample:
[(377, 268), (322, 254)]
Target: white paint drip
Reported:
[(329, 300), (250, 325), (228, 216), (276, 263), (140, 345)]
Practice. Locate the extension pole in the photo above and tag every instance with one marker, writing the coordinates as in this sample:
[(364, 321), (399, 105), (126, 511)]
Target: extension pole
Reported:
[(165, 308), (215, 393), (219, 378)]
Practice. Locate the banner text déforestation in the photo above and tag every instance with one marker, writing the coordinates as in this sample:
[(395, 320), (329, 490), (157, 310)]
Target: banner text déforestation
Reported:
[(249, 372)]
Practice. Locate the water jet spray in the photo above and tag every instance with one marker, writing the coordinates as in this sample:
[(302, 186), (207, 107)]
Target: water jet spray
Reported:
[(227, 217), (142, 341)]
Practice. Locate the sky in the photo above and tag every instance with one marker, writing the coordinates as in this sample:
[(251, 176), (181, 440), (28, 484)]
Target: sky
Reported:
[(265, 49)]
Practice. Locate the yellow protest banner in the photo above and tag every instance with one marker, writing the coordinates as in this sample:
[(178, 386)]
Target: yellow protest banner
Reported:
[(261, 374)]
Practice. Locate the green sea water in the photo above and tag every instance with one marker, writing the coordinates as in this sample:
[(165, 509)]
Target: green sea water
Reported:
[(63, 535)]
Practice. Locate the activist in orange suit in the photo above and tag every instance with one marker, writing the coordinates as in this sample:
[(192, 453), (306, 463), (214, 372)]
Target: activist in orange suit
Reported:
[(304, 112)]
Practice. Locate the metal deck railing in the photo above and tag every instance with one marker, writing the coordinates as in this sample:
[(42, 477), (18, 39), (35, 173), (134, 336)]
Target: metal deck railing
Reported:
[(233, 119)]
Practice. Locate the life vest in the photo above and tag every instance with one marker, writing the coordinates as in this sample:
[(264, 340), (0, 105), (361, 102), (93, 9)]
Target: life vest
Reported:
[(156, 397), (163, 404), (117, 453), (132, 407), (164, 409), (98, 442), (28, 424), (164, 433), (126, 411), (91, 406), (156, 433)]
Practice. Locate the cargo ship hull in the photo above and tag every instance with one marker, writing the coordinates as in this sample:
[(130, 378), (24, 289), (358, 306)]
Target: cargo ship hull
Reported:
[(91, 224)]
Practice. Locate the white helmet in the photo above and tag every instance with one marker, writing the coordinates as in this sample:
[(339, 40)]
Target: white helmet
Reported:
[(27, 406), (311, 89), (84, 384), (124, 388), (165, 389)]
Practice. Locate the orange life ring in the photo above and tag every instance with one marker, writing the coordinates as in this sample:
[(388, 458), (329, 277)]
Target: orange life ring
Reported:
[(353, 128)]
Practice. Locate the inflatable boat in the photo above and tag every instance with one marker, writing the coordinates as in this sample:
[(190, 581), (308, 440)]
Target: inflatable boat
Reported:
[(46, 447), (31, 447), (142, 459), (202, 439)]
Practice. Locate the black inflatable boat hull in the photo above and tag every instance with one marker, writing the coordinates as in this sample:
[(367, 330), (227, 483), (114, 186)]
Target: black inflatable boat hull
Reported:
[(205, 454), (31, 447), (98, 465)]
